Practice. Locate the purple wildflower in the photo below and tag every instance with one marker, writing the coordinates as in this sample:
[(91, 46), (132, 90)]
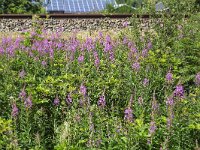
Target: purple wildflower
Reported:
[(169, 76), (152, 128), (89, 44), (95, 54), (119, 128), (125, 40), (125, 24), (108, 39), (1, 50), (128, 114), (83, 90), (130, 44), (102, 102), (56, 101), (51, 53), (197, 79), (59, 45), (170, 101), (108, 46), (140, 100), (22, 74), (96, 61), (15, 110), (111, 57), (144, 53), (28, 102), (136, 66), (134, 49), (69, 99), (80, 59), (149, 45), (145, 82), (179, 91), (149, 141), (44, 63), (22, 94), (100, 34)]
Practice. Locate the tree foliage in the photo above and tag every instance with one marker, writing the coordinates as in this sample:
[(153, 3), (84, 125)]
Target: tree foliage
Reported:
[(20, 6), (148, 6)]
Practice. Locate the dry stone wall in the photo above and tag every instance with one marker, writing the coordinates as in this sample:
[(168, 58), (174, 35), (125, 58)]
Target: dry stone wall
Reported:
[(16, 25)]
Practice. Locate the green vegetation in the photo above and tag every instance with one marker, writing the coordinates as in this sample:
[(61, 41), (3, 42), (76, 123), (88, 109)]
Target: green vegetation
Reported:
[(20, 7), (139, 90), (148, 6)]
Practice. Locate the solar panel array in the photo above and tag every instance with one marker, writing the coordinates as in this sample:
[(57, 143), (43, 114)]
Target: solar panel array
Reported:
[(77, 6)]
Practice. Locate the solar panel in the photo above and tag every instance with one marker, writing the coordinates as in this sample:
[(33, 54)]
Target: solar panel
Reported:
[(54, 5), (77, 6), (91, 5)]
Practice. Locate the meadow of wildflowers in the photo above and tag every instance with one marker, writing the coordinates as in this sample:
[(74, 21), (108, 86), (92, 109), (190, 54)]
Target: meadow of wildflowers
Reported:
[(102, 92)]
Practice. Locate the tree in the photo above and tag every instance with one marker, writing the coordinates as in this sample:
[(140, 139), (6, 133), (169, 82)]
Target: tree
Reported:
[(20, 6)]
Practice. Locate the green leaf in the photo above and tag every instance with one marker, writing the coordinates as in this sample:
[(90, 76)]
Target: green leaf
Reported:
[(124, 139)]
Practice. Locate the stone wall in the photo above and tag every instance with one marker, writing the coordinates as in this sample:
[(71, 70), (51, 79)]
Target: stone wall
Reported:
[(17, 25)]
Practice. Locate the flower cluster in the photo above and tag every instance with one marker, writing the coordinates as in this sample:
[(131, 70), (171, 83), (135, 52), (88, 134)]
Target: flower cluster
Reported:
[(169, 77), (56, 101), (15, 110), (179, 91), (102, 101), (128, 114), (83, 90)]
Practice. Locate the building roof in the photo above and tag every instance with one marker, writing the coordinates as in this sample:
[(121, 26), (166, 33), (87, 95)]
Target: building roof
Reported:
[(77, 6)]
